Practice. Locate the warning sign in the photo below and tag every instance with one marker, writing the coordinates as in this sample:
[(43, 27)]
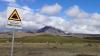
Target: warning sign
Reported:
[(14, 16), (14, 19)]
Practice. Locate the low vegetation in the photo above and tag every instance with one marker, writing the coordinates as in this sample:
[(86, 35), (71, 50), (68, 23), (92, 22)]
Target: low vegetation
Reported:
[(50, 45), (50, 39), (85, 55)]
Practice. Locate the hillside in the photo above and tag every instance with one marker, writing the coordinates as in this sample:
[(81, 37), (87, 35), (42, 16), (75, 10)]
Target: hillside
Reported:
[(17, 34), (53, 39), (50, 39)]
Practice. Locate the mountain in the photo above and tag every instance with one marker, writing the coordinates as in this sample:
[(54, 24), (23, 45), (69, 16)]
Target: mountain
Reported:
[(51, 30)]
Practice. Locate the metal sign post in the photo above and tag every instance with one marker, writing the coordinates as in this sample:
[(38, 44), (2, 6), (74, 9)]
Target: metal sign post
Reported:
[(12, 45), (14, 22)]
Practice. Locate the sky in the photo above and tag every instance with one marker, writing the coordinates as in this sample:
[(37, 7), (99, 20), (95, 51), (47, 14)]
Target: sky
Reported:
[(74, 16)]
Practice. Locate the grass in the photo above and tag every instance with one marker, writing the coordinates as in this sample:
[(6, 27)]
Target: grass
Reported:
[(85, 55), (71, 45), (50, 39), (3, 40), (54, 39)]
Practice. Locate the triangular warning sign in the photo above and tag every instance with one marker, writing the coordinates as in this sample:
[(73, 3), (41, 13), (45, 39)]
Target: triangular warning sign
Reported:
[(14, 16)]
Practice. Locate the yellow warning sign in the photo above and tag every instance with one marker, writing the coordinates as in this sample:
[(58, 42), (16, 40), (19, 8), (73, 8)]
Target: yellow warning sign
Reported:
[(14, 16)]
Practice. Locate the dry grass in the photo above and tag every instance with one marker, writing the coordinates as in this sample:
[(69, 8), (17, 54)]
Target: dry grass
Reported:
[(53, 49)]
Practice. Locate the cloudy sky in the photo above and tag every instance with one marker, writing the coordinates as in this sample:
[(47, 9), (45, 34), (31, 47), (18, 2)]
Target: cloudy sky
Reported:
[(76, 16)]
